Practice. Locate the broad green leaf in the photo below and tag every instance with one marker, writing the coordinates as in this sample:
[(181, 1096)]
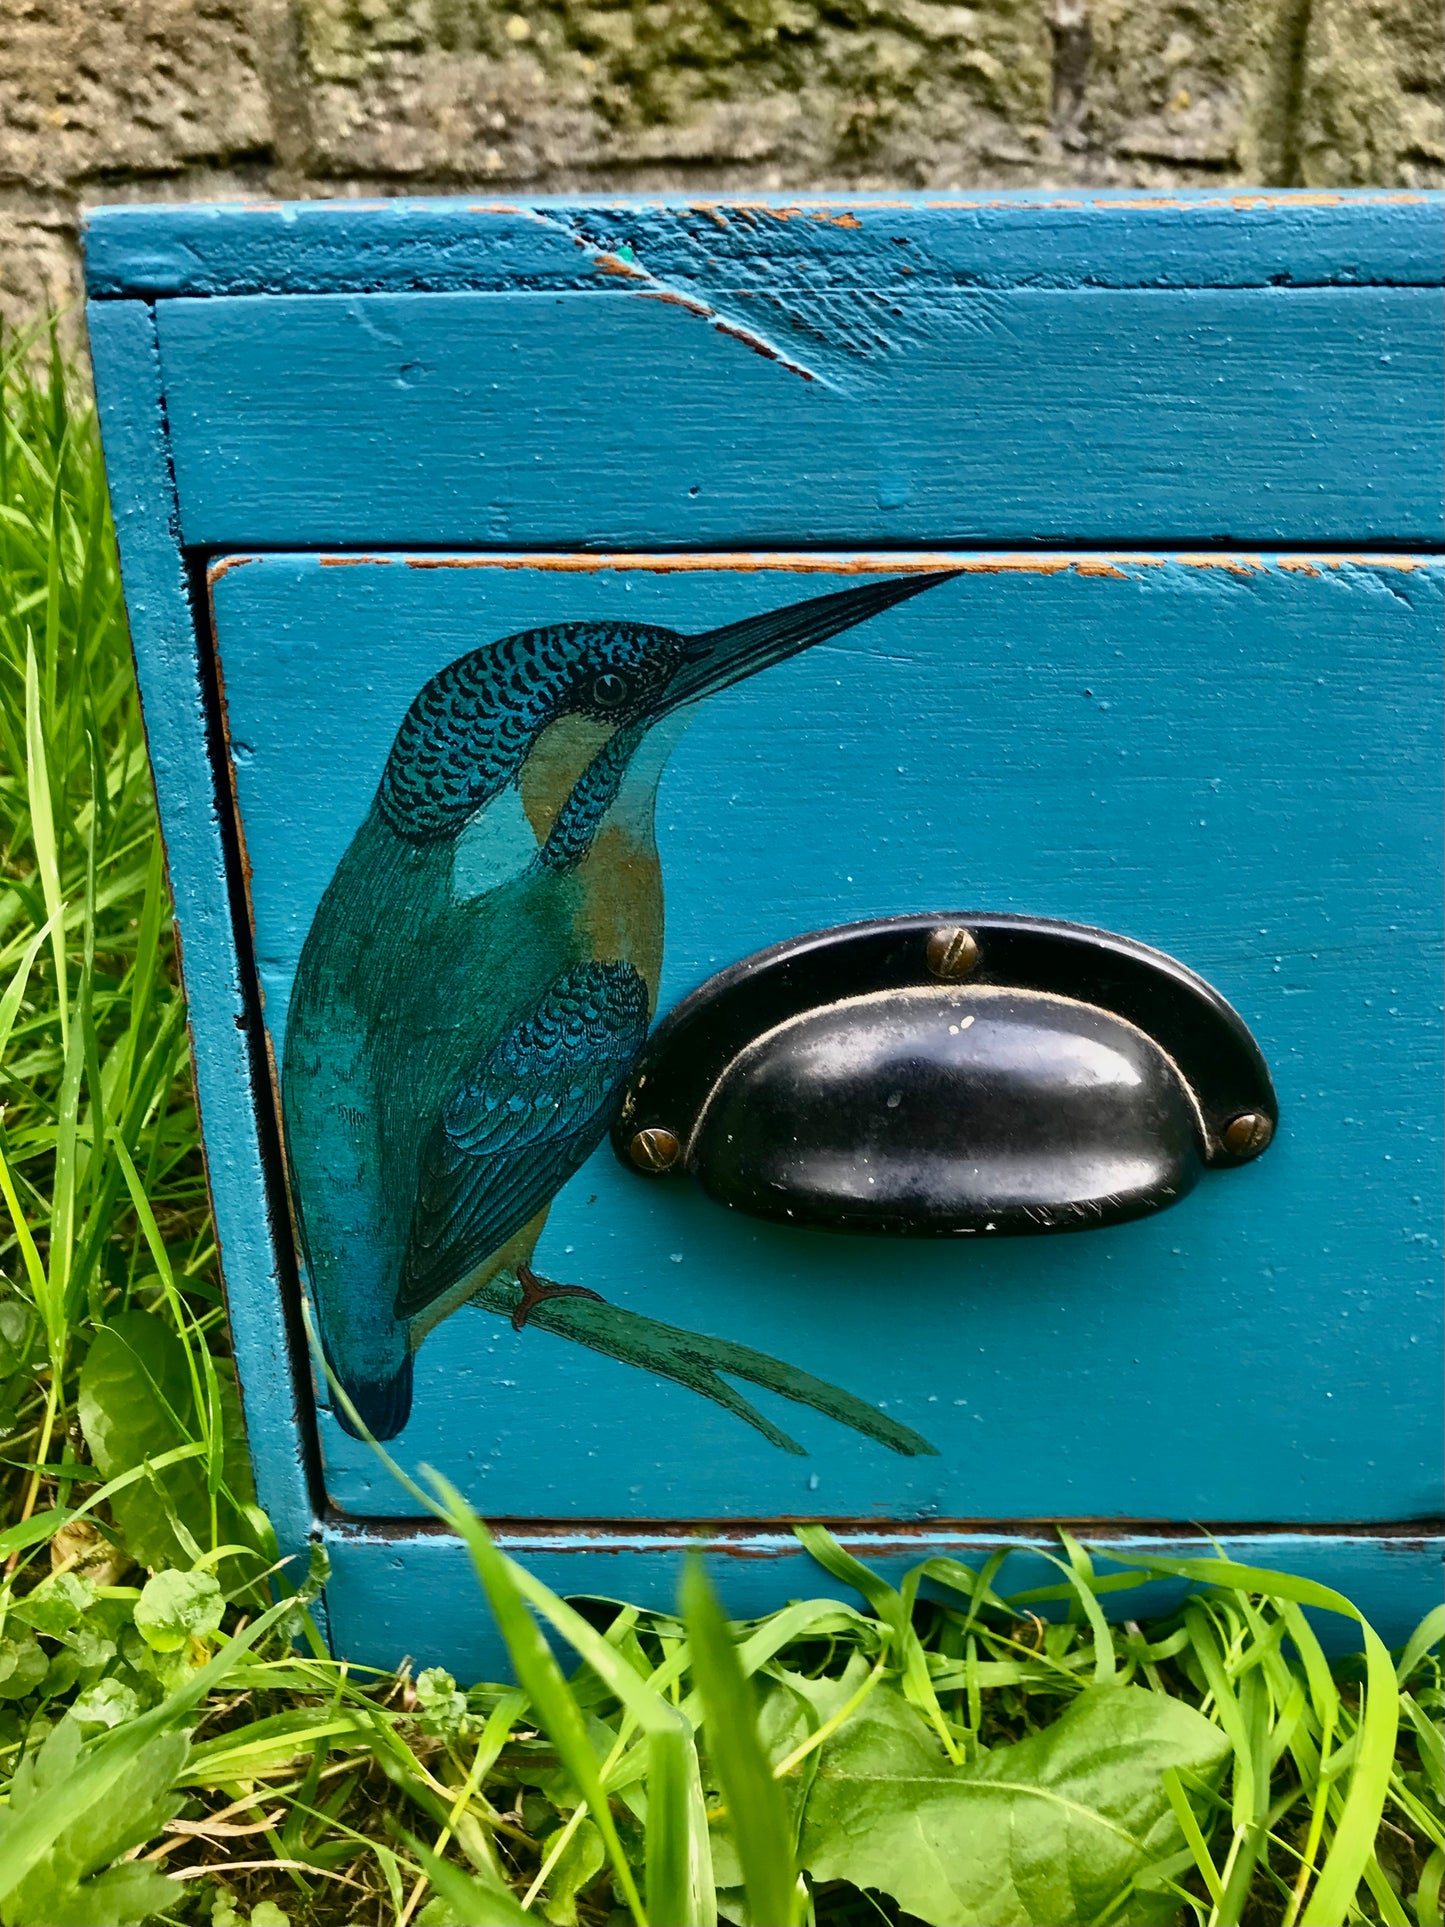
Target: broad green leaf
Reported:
[(123, 1897), (176, 1606), (107, 1703), (440, 1707), (137, 1802), (583, 1857), (137, 1402), (56, 1604), (223, 1909), (23, 1665), (1052, 1829)]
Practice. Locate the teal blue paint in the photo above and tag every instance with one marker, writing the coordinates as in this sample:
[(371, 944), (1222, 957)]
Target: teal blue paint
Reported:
[(123, 351), (1237, 763), (451, 1060), (1155, 750), (1099, 239), (615, 419), (379, 1582)]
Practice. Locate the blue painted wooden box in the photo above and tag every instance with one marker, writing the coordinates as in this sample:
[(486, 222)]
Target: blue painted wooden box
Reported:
[(1169, 470)]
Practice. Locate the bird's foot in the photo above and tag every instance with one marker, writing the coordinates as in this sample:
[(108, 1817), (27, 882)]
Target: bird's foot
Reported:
[(536, 1291)]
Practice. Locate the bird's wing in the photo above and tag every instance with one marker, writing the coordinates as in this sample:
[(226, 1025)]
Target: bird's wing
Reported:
[(520, 1123)]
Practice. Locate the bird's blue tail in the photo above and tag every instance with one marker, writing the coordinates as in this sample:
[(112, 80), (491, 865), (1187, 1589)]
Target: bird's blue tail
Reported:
[(382, 1404)]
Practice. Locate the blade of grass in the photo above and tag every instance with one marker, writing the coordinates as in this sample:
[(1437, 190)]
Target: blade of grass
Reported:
[(756, 1807), (551, 1698), (471, 1900), (1080, 1573), (1325, 1701), (678, 1863), (1189, 1827), (1353, 1843), (895, 1609), (15, 990), (42, 821), (1426, 1636)]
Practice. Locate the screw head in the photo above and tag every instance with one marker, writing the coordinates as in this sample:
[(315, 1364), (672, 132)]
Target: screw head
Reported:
[(655, 1150), (1247, 1135), (952, 952)]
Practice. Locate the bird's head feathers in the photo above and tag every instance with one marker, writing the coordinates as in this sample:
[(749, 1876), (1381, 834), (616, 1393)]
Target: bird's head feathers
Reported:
[(471, 728), (475, 724)]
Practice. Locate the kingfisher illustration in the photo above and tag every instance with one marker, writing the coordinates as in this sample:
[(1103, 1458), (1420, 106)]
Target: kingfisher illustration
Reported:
[(476, 984)]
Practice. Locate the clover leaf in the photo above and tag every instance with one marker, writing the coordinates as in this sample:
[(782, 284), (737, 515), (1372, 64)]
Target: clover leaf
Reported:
[(176, 1606)]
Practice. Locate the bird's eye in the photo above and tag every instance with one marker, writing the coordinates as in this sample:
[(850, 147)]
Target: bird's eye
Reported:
[(609, 691)]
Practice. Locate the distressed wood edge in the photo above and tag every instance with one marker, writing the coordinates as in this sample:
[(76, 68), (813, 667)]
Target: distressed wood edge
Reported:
[(1120, 238), (1093, 562), (384, 1585), (170, 657)]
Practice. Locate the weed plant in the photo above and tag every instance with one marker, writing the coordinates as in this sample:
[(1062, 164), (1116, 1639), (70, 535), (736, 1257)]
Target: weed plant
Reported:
[(176, 1743)]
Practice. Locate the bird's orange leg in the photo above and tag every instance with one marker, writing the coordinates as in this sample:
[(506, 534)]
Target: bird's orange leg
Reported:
[(536, 1291)]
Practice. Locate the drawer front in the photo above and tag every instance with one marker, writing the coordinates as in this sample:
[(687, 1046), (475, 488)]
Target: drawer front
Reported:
[(1231, 757)]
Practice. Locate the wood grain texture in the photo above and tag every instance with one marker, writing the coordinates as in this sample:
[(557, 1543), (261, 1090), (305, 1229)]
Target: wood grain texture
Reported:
[(1232, 758), (1123, 239), (629, 419)]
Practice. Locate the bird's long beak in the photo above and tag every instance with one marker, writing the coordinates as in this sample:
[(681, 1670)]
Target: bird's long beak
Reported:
[(724, 656)]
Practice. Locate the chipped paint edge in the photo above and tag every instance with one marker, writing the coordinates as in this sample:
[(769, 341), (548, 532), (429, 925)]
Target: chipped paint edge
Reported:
[(1109, 564)]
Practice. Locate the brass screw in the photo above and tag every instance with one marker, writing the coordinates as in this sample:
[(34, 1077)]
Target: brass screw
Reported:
[(655, 1150), (1247, 1135), (952, 952)]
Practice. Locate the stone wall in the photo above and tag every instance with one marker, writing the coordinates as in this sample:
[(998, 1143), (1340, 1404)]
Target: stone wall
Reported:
[(205, 99)]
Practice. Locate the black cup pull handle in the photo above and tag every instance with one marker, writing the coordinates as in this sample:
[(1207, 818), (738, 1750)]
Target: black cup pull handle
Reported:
[(949, 1076)]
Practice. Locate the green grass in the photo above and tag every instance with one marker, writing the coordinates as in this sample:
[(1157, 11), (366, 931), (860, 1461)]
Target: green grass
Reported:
[(175, 1741)]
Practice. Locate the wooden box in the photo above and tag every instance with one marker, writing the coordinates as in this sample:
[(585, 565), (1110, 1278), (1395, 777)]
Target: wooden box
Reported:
[(438, 520)]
